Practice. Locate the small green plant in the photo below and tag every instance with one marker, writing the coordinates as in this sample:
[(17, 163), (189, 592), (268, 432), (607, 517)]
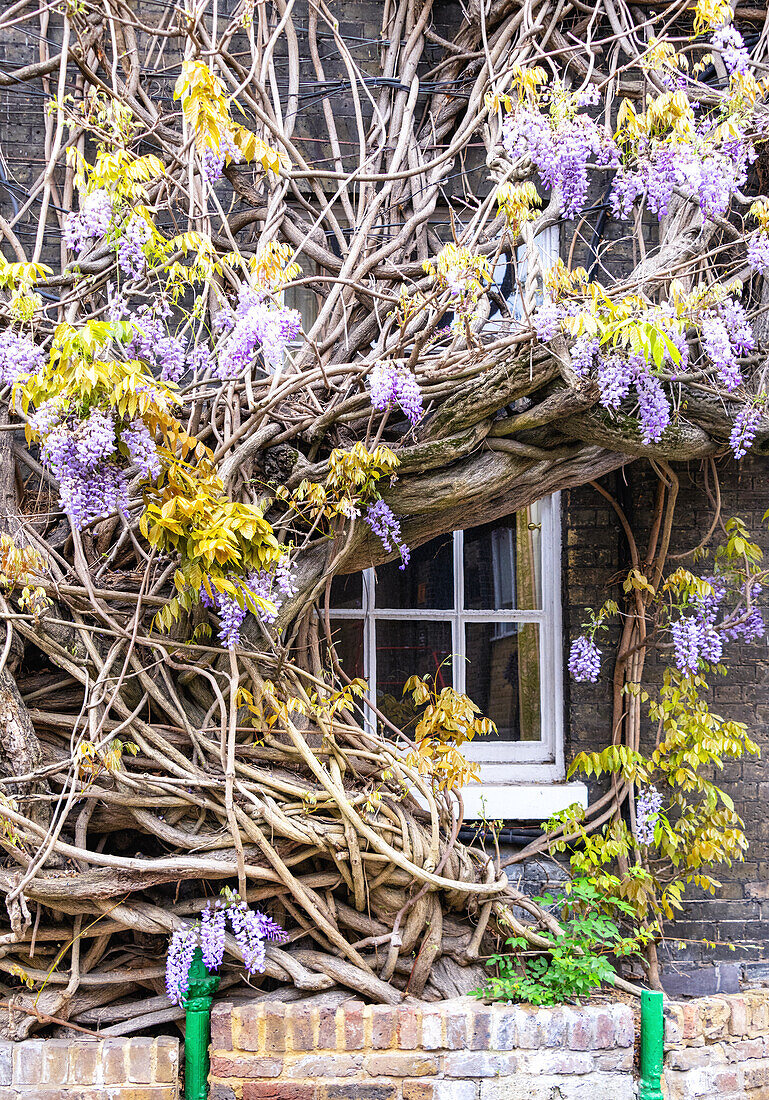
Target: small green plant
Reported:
[(575, 962)]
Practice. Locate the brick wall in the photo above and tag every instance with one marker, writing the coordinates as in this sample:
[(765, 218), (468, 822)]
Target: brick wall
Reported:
[(718, 1046), (87, 1069), (457, 1050)]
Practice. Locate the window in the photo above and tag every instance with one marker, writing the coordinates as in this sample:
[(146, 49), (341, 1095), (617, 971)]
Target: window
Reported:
[(508, 276), (479, 610)]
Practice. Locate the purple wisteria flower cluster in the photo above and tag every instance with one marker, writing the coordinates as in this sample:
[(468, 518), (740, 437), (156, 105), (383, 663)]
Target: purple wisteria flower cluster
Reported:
[(81, 455), (386, 526), (731, 45), (166, 355), (19, 357), (390, 385), (273, 585), (758, 252), (252, 931), (131, 257), (142, 448), (584, 659), (712, 175), (561, 146), (256, 326), (547, 322), (616, 375), (744, 429), (91, 223), (699, 637), (726, 335), (214, 159), (745, 623), (647, 808)]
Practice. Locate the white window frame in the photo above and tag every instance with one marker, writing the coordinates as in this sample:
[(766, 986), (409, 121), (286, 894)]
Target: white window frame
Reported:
[(532, 767)]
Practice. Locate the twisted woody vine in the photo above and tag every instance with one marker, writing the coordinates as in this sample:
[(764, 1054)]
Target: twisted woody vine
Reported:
[(188, 459)]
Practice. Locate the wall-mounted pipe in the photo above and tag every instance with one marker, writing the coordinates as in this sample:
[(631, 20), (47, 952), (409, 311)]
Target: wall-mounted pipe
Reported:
[(197, 1031), (652, 1046)]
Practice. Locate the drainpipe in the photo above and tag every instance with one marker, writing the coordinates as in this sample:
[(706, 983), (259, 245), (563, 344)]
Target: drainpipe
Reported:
[(652, 1045), (197, 1032)]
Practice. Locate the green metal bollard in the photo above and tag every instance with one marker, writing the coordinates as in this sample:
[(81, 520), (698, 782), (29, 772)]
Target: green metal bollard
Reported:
[(197, 1032), (652, 1045)]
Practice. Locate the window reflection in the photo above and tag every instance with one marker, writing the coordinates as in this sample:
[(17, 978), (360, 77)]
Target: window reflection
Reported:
[(502, 677), (347, 637), (502, 562), (347, 591), (427, 581), (404, 649)]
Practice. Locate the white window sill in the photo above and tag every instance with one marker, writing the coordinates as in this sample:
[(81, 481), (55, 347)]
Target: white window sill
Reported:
[(520, 801)]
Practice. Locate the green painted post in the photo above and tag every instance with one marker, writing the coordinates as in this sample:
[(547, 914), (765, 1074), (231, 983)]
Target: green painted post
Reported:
[(652, 1045), (197, 1032)]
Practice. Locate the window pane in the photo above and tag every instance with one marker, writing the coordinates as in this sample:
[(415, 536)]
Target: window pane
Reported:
[(304, 298), (347, 591), (502, 677), (503, 565), (347, 636), (406, 649), (427, 580)]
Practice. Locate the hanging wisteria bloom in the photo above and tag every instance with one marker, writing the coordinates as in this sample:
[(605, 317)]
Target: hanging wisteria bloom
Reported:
[(686, 633), (81, 454), (258, 327), (142, 448), (744, 429), (583, 354), (151, 342), (653, 407), (181, 952), (92, 222), (386, 526), (19, 357), (215, 159), (712, 174), (647, 808), (616, 374), (213, 929), (273, 586), (390, 384), (758, 252), (746, 624), (584, 659), (130, 252), (697, 636), (547, 322), (252, 931), (561, 144), (731, 45), (726, 334)]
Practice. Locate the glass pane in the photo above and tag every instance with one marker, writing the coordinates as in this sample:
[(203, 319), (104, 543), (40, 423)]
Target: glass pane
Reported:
[(502, 677), (406, 649), (427, 580), (347, 591), (503, 563), (305, 299), (347, 636)]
